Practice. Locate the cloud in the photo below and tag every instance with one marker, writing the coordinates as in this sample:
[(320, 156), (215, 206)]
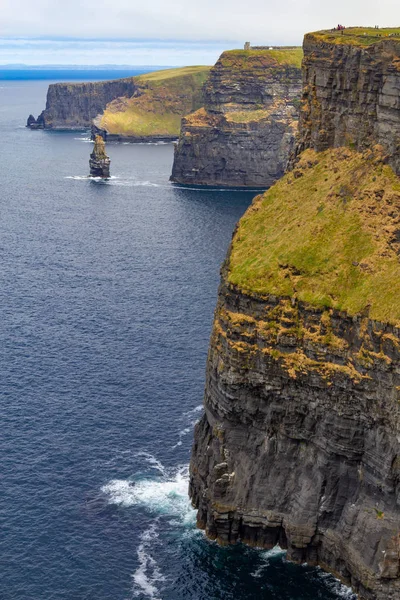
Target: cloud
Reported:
[(94, 52), (261, 21), (158, 32)]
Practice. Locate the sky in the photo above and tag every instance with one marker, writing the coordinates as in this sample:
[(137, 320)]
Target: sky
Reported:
[(162, 32)]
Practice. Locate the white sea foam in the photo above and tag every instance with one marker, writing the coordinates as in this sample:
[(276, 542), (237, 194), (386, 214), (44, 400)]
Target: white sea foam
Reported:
[(336, 586), (166, 495), (194, 411), (191, 417), (152, 461), (89, 178), (148, 573), (134, 183), (265, 557)]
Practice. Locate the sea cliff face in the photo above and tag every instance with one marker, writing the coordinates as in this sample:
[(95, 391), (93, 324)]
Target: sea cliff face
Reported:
[(156, 110), (74, 105), (138, 108), (243, 134), (300, 441), (351, 94)]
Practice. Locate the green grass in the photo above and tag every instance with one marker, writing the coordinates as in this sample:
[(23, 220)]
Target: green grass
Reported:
[(326, 234), (134, 122), (165, 97), (247, 116), (358, 36), (159, 77), (279, 57)]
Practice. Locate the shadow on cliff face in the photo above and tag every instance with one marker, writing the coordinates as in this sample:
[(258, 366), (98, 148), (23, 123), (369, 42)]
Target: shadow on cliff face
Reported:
[(172, 554)]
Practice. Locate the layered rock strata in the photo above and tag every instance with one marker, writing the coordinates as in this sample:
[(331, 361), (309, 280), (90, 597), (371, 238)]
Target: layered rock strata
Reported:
[(99, 162), (300, 441), (243, 134), (74, 105), (155, 112), (351, 91), (141, 108)]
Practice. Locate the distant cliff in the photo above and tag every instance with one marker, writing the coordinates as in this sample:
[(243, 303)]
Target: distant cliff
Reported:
[(300, 441), (156, 110), (243, 135), (143, 107), (74, 105)]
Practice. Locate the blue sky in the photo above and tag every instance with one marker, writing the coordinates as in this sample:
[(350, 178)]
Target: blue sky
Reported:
[(118, 52), (167, 32)]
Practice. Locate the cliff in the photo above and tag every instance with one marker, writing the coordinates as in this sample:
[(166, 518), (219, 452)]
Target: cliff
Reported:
[(299, 444), (74, 105), (243, 134), (352, 91), (156, 110), (141, 107)]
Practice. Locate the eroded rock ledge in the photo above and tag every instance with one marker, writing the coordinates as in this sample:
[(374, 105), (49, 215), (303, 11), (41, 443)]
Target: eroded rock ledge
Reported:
[(299, 444), (243, 135)]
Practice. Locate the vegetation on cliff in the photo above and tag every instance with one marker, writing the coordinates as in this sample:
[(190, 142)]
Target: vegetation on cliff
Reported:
[(328, 233), (256, 58), (163, 98), (245, 131), (357, 36)]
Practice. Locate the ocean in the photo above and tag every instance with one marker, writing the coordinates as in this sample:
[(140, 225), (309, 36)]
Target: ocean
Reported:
[(107, 298)]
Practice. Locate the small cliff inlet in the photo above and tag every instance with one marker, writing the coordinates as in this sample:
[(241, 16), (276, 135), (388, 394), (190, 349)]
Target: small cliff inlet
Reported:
[(108, 289)]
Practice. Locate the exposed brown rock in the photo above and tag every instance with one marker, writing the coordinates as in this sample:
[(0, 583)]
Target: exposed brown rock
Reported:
[(243, 135), (351, 96), (99, 161)]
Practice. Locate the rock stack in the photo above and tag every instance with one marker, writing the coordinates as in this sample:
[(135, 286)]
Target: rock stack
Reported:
[(99, 161)]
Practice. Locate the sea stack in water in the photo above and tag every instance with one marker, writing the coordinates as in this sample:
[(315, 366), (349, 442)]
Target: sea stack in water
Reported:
[(99, 161)]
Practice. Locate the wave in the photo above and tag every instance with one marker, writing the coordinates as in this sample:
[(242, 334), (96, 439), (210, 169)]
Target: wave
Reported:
[(90, 178), (191, 418), (335, 585), (265, 558), (148, 573), (134, 183), (114, 180), (166, 495), (159, 143)]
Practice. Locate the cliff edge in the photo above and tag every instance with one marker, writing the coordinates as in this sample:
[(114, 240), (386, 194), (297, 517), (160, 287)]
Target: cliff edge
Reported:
[(74, 105), (156, 110), (351, 93), (300, 441), (138, 108), (245, 131)]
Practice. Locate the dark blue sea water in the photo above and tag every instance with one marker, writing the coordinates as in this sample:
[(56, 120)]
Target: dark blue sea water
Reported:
[(70, 74), (106, 302)]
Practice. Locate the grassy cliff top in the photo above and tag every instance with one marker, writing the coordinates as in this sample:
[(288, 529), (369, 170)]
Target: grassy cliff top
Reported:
[(165, 97), (327, 233), (167, 76), (357, 36), (247, 58)]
